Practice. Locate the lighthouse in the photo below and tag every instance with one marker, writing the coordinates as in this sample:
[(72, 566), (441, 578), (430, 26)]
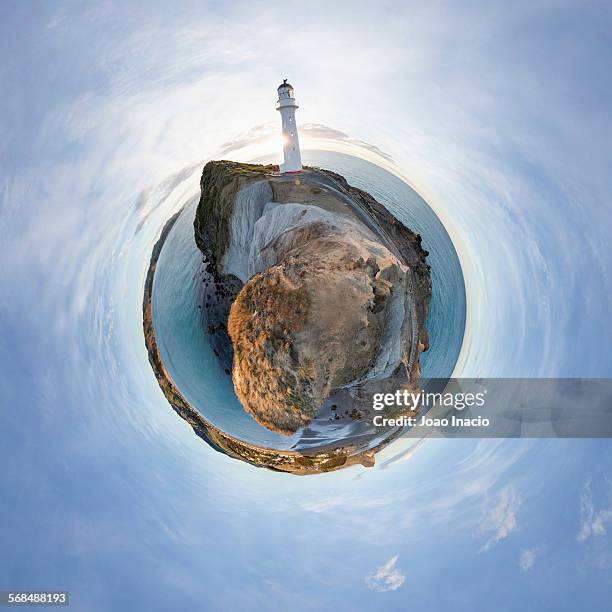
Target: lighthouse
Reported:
[(286, 105)]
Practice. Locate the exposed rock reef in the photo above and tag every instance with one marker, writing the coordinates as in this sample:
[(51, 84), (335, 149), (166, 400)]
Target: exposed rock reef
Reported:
[(318, 292)]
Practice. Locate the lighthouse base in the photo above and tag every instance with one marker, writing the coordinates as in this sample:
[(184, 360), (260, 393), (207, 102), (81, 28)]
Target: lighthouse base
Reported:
[(289, 168)]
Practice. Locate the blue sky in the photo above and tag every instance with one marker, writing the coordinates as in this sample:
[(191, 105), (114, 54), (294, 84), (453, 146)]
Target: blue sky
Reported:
[(498, 114)]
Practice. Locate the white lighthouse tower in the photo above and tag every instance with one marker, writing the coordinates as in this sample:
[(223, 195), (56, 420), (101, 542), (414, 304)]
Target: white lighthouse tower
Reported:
[(286, 105)]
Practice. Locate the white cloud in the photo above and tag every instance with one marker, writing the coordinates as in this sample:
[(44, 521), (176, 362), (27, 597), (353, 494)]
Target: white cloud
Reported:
[(500, 518), (528, 558), (386, 578), (592, 522)]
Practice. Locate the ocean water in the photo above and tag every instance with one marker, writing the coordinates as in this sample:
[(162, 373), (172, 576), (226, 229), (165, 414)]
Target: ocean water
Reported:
[(179, 323)]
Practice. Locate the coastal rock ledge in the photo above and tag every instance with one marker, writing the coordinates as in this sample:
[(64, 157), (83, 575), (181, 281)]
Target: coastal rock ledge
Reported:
[(316, 290)]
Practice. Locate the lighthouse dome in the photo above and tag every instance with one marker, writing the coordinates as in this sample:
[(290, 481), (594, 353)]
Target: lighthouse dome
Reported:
[(285, 90)]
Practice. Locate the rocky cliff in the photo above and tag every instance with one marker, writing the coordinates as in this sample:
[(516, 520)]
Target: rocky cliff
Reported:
[(316, 288)]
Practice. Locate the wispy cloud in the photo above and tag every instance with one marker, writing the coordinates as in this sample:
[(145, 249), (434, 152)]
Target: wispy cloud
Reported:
[(333, 503), (500, 517), (592, 521), (528, 558), (386, 578), (322, 132)]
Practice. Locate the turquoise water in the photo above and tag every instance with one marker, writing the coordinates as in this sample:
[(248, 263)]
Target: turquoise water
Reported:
[(179, 324)]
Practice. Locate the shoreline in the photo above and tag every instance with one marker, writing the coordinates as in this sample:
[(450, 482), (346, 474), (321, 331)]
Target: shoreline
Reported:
[(293, 462)]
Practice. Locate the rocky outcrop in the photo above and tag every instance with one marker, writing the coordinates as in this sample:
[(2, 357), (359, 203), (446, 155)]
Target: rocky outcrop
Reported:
[(318, 289), (316, 461)]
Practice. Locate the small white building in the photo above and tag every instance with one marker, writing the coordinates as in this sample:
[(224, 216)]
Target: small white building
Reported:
[(286, 105)]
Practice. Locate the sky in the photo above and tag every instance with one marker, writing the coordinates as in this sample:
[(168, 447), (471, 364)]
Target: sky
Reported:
[(497, 113)]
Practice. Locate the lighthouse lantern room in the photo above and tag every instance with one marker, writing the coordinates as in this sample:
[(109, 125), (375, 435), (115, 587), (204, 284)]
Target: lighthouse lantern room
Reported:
[(286, 105)]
